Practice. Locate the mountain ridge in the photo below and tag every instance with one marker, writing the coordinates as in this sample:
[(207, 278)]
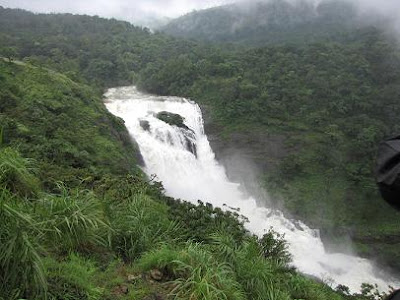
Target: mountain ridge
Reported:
[(273, 22)]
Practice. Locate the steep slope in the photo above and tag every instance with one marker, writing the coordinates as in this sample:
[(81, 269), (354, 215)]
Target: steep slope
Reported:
[(324, 107), (62, 124), (91, 50), (271, 22), (88, 225)]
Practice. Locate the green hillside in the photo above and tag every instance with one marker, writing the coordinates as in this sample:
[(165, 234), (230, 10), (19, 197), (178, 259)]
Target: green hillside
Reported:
[(62, 124), (330, 103), (79, 220), (273, 22)]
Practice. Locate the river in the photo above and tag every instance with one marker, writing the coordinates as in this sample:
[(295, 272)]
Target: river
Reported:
[(191, 175)]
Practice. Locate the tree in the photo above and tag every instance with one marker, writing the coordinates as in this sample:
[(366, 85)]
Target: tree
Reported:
[(9, 52)]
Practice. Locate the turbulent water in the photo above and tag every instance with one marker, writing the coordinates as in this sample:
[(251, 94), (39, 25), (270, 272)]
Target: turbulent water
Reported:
[(185, 163)]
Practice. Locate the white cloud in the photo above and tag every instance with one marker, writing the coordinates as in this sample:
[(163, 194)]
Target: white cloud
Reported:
[(141, 11), (122, 9)]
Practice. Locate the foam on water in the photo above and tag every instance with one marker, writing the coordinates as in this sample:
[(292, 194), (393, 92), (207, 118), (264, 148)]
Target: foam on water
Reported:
[(191, 177)]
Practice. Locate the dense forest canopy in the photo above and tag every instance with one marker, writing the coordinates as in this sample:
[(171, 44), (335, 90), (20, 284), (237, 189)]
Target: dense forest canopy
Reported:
[(333, 96), (270, 22), (258, 23)]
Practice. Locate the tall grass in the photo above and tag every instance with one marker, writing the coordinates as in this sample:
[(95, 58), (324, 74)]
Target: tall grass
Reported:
[(254, 270), (195, 273), (206, 277), (72, 220), (71, 279), (21, 268), (140, 224), (17, 173), (53, 228)]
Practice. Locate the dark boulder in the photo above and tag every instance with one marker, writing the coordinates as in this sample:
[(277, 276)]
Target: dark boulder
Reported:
[(145, 125), (172, 119)]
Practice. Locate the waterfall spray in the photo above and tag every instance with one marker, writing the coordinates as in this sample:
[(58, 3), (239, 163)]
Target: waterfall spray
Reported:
[(193, 175)]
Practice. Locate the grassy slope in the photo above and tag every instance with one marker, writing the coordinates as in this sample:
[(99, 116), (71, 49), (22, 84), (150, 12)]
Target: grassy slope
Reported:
[(62, 124), (104, 234), (334, 102), (46, 93)]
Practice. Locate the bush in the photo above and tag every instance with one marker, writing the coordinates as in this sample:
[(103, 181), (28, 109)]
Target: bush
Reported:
[(139, 225), (73, 220), (202, 220), (274, 247), (195, 272), (72, 279)]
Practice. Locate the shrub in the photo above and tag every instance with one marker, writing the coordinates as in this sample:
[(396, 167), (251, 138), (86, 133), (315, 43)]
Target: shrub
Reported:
[(72, 279), (274, 247), (140, 224), (197, 273), (254, 271), (73, 220), (202, 220)]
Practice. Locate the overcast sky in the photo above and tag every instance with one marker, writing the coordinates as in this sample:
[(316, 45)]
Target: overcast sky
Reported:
[(141, 11), (129, 10)]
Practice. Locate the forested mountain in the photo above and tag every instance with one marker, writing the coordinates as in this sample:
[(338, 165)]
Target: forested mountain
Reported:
[(328, 103), (326, 106), (258, 23)]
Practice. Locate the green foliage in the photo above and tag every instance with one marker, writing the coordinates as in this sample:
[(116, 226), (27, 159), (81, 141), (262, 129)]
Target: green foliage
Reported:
[(139, 224), (171, 119), (254, 272), (16, 173), (21, 273), (197, 275), (208, 283), (275, 247), (269, 23), (9, 52), (72, 279), (202, 220), (58, 122), (73, 220), (325, 96)]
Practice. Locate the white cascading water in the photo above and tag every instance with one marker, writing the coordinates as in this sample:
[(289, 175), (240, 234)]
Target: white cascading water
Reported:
[(193, 175)]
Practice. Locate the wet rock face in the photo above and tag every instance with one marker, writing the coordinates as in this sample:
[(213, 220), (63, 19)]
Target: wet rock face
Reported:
[(145, 125), (190, 140), (178, 121), (171, 119)]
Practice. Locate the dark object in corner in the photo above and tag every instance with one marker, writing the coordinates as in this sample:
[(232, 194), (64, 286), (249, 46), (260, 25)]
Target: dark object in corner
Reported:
[(394, 296), (388, 171), (388, 179)]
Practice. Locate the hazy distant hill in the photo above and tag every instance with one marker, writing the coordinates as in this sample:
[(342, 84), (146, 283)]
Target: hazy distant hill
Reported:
[(271, 22)]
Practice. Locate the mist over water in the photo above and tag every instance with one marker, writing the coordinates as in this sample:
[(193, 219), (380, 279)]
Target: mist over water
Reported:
[(193, 175)]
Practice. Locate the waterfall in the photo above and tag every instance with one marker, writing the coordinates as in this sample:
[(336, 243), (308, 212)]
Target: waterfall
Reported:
[(192, 174)]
